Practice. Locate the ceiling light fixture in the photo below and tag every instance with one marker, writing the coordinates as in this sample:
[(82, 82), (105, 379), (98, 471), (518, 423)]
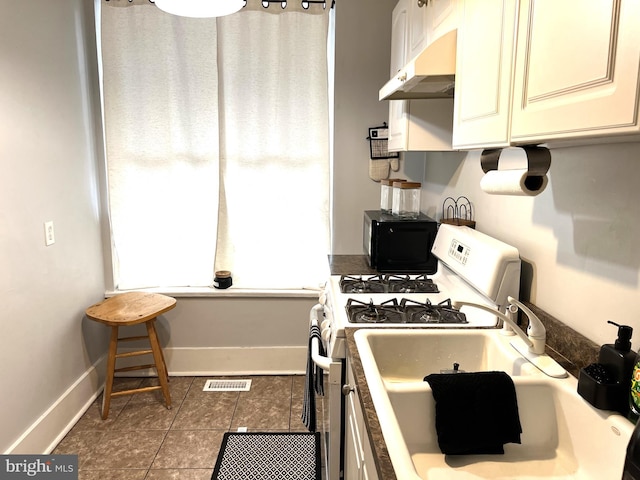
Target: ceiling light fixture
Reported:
[(200, 8)]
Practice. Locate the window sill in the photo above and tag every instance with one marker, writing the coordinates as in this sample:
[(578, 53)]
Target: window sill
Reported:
[(226, 293)]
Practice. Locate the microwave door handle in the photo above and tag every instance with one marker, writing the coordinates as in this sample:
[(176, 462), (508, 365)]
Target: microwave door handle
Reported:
[(321, 361)]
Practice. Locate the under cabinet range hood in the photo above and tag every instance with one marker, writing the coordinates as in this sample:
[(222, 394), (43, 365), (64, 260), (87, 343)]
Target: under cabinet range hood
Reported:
[(431, 74)]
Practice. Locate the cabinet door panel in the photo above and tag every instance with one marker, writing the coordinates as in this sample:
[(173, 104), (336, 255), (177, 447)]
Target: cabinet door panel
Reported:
[(399, 21), (484, 73), (353, 448), (417, 29), (576, 69), (397, 126), (354, 452), (369, 471), (441, 18), (397, 108), (572, 61)]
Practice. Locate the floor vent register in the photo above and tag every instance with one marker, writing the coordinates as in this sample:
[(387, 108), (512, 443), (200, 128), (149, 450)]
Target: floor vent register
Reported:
[(227, 386)]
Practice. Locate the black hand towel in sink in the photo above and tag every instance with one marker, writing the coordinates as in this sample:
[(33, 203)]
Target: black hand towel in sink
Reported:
[(476, 413)]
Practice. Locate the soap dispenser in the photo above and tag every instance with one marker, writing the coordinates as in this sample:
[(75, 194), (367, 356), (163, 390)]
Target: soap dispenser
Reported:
[(608, 384), (619, 360)]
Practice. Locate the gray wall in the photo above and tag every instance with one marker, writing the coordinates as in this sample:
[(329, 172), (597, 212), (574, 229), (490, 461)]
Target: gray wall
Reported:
[(578, 239), (363, 50), (47, 159)]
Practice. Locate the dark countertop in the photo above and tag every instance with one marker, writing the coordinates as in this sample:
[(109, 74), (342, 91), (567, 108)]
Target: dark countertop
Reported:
[(378, 445), (350, 265)]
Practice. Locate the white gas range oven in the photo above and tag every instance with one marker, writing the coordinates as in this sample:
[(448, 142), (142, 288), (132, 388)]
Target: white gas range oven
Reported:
[(472, 267)]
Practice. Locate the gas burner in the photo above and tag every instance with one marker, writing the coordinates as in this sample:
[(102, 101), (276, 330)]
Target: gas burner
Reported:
[(372, 284), (426, 312), (406, 284), (372, 315), (387, 284), (386, 312), (408, 311)]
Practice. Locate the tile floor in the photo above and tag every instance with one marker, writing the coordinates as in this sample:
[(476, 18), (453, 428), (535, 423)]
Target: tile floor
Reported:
[(142, 440)]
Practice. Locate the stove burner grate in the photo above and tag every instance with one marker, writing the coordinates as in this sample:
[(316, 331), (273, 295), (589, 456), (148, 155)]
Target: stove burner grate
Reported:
[(443, 312), (386, 312), (387, 284), (406, 284), (374, 284), (407, 311)]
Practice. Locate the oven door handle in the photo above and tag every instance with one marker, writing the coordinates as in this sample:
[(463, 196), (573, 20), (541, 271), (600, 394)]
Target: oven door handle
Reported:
[(321, 361)]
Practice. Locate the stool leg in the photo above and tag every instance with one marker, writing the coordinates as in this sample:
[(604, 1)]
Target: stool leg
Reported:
[(159, 360), (111, 366), (163, 361)]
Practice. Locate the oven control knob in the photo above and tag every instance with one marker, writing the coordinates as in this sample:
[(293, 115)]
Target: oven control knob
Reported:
[(322, 299), (347, 389), (326, 334), (325, 324)]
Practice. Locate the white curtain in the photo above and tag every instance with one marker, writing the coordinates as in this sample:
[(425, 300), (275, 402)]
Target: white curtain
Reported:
[(217, 137)]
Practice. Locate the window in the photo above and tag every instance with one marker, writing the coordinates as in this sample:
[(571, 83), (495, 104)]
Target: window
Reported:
[(217, 142)]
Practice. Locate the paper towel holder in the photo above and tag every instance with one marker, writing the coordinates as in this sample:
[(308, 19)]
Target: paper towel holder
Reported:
[(538, 164), (538, 159)]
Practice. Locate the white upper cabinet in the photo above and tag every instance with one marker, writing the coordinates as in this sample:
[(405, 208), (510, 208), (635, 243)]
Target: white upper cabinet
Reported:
[(398, 108), (484, 59), (420, 125), (574, 75), (417, 26), (416, 125), (441, 17), (577, 70), (429, 22), (399, 34)]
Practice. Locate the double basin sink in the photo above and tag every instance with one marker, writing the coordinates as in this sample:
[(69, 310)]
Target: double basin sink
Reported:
[(563, 437)]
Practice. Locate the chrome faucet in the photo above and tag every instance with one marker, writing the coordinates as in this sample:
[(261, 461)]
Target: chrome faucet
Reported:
[(536, 335), (534, 340)]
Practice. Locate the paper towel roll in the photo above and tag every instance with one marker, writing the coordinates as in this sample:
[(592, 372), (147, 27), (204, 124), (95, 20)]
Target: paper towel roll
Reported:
[(513, 182)]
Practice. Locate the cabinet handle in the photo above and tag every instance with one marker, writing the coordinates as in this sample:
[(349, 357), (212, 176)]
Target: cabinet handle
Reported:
[(347, 389), (422, 3)]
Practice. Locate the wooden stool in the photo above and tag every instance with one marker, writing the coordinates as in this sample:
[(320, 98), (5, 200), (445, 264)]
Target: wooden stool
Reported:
[(130, 309)]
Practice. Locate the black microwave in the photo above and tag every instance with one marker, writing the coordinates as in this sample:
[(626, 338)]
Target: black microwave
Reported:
[(399, 246)]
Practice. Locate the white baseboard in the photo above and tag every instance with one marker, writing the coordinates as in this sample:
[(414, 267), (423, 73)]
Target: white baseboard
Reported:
[(46, 432), (236, 361), (230, 361)]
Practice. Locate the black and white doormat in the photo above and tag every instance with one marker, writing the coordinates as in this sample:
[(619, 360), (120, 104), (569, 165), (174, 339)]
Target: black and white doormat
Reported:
[(268, 456)]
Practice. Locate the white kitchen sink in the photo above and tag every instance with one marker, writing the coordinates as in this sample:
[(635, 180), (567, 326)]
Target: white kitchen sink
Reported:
[(409, 355), (563, 436)]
